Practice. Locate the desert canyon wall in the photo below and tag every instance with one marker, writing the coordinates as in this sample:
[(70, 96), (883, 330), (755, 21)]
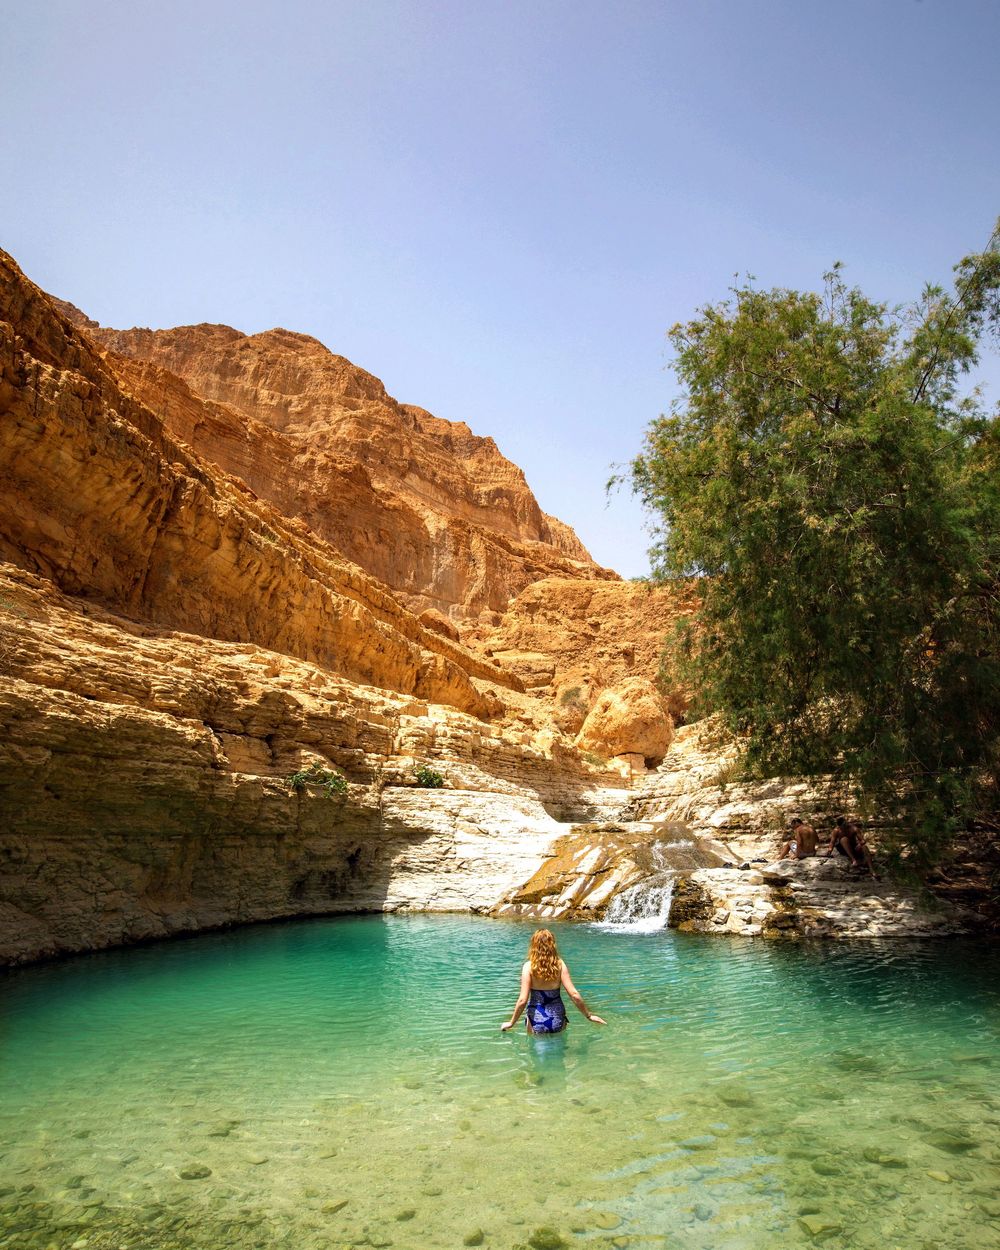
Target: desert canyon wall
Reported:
[(228, 557), (225, 558)]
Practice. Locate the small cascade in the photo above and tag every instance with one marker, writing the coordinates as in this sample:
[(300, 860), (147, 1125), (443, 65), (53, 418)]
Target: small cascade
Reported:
[(623, 872), (645, 906)]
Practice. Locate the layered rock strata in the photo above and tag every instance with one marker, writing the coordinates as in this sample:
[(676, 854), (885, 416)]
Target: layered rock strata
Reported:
[(596, 863), (102, 500), (811, 898), (430, 509), (230, 558), (688, 827), (144, 786)]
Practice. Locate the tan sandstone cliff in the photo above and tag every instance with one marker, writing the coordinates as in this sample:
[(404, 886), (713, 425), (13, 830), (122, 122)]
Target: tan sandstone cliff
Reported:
[(226, 558), (174, 646), (430, 509)]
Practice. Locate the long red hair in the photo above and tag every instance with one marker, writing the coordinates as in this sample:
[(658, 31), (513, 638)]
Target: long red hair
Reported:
[(544, 957)]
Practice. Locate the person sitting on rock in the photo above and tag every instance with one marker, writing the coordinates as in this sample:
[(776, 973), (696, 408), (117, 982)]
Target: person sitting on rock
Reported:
[(848, 839), (801, 841)]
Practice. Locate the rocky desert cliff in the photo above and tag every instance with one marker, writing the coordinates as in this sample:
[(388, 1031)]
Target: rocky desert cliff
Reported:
[(430, 509), (225, 558)]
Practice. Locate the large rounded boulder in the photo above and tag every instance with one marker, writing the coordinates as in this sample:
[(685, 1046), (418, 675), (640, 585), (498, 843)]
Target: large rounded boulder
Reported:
[(631, 718)]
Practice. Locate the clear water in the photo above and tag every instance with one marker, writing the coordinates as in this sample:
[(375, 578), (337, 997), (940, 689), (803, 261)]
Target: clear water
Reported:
[(345, 1083)]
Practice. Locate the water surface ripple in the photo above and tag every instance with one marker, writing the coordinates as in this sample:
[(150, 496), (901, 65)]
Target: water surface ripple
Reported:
[(343, 1082)]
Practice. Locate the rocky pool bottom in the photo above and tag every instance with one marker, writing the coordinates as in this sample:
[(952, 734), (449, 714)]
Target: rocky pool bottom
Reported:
[(343, 1083)]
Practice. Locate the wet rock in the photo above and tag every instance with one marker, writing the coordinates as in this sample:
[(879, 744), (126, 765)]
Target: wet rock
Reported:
[(331, 1208), (823, 1168), (942, 1177), (702, 1212), (819, 1227), (432, 1191), (736, 1098), (605, 1219), (223, 1129), (883, 1159), (256, 1159), (475, 1238), (196, 1172), (953, 1143), (547, 1239), (407, 1213)]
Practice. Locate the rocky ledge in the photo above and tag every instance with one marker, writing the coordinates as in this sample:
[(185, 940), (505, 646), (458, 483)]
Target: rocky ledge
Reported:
[(810, 898)]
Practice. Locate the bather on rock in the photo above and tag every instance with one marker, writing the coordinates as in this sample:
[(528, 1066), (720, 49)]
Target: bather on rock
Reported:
[(801, 841), (543, 976), (848, 839)]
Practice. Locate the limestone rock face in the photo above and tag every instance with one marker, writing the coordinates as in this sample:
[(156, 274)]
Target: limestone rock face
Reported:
[(594, 863), (629, 719), (809, 898), (432, 510), (100, 498), (594, 634), (213, 552), (144, 786)]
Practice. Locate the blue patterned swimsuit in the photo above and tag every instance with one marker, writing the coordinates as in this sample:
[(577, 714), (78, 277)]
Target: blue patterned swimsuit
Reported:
[(546, 1012)]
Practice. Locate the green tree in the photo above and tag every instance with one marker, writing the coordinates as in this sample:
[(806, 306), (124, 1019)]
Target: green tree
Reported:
[(834, 490)]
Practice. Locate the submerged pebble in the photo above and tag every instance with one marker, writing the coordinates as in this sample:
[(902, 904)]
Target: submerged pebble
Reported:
[(196, 1172), (819, 1227), (546, 1239)]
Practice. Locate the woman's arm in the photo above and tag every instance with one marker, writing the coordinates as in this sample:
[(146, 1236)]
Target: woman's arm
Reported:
[(574, 993), (522, 998)]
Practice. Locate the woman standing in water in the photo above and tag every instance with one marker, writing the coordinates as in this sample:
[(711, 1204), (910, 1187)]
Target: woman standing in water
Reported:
[(542, 977)]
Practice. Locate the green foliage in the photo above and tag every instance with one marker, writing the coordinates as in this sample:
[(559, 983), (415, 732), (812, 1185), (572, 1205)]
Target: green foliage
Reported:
[(571, 696), (315, 775), (592, 758), (428, 778), (837, 497)]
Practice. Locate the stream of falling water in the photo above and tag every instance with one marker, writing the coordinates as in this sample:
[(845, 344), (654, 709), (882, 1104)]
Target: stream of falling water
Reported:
[(645, 906)]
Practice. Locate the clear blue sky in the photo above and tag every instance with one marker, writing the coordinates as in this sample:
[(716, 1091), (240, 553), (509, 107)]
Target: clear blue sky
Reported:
[(498, 208)]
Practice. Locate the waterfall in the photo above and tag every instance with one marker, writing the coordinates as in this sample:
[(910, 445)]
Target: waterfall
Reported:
[(644, 907)]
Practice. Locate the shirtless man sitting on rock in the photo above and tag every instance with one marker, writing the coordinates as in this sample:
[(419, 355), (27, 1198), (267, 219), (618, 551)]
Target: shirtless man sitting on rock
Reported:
[(801, 840), (848, 839)]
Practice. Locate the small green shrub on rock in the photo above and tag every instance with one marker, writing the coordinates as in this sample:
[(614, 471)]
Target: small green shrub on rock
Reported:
[(315, 775), (427, 778)]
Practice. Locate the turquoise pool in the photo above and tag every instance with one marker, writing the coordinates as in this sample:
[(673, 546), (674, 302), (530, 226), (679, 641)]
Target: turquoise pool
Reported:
[(343, 1083)]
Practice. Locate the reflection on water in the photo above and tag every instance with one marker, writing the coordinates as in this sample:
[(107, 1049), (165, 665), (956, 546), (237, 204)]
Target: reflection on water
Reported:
[(344, 1082)]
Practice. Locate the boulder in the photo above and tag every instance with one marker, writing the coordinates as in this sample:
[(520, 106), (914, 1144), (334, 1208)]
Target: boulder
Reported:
[(631, 718)]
